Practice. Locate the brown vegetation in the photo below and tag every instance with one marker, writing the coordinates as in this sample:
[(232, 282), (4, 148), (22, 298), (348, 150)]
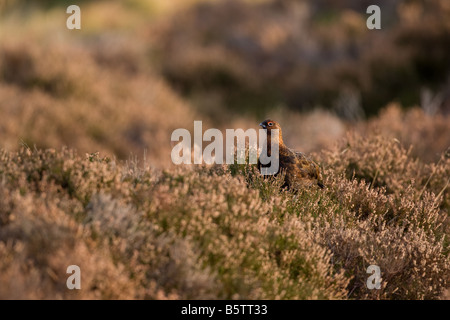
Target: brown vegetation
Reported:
[(223, 232), (74, 105)]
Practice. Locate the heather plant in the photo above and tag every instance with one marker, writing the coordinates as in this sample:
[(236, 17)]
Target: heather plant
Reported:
[(150, 230), (210, 232), (385, 163), (215, 247), (425, 134)]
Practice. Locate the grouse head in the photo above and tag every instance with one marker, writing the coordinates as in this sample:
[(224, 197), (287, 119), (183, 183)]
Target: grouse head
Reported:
[(270, 125)]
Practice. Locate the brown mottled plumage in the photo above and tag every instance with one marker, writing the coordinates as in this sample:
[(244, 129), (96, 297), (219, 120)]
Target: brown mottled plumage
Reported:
[(300, 170)]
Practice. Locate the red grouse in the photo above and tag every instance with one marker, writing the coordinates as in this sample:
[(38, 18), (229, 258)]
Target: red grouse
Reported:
[(300, 171)]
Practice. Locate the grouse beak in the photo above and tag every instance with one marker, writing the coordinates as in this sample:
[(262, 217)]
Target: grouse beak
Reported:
[(262, 125)]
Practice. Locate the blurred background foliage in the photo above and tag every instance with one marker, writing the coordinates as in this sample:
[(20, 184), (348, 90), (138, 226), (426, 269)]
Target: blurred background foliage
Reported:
[(306, 54), (313, 65)]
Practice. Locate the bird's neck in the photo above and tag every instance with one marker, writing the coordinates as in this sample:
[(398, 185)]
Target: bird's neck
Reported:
[(269, 142)]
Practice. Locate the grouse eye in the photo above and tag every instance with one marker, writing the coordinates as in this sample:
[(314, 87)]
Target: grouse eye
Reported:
[(270, 124)]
